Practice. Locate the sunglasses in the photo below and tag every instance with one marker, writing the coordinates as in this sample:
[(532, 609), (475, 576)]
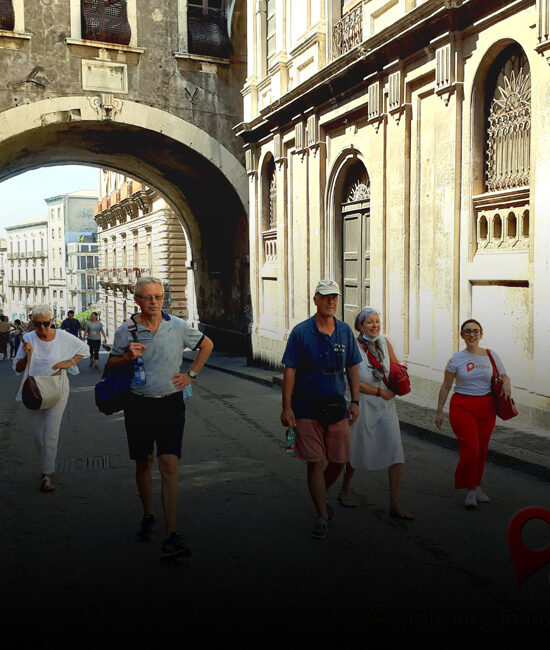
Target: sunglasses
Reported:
[(41, 323)]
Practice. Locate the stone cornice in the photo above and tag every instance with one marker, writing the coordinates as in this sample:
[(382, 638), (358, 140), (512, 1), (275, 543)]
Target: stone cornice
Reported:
[(342, 76)]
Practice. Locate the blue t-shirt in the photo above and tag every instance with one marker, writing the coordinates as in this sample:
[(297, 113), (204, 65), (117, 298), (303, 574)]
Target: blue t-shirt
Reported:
[(71, 326), (320, 361)]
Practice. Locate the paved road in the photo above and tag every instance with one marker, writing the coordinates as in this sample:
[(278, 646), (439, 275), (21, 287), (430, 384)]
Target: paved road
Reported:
[(69, 562)]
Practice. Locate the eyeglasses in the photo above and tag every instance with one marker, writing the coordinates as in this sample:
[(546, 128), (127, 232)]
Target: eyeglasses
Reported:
[(151, 298), (41, 323), (469, 332)]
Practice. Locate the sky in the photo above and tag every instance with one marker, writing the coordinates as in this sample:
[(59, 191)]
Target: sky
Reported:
[(22, 197)]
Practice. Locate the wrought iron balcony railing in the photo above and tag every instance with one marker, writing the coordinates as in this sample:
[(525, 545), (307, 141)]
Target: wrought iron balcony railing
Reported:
[(347, 32)]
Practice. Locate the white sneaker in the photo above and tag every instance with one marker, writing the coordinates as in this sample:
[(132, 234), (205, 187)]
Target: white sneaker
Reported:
[(481, 497), (470, 502)]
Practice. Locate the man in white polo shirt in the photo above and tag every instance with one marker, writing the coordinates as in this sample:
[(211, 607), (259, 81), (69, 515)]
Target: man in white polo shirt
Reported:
[(155, 410)]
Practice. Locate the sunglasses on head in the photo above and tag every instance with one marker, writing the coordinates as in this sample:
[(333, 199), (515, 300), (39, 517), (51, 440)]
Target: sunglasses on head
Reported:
[(41, 323)]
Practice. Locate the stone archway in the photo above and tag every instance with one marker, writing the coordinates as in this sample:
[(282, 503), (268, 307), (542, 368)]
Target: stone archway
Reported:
[(202, 181)]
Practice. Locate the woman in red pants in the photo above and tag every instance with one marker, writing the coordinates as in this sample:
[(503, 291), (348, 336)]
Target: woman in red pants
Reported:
[(472, 408)]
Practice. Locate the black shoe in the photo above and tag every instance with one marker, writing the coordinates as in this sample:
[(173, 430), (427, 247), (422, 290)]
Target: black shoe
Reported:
[(147, 530), (174, 546)]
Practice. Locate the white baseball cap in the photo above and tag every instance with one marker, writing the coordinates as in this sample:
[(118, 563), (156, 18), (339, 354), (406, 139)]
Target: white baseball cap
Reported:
[(327, 288)]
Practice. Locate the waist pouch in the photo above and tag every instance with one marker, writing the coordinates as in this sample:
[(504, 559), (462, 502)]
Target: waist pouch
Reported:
[(328, 410)]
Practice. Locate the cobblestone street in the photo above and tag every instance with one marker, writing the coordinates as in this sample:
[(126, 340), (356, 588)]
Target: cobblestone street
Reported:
[(70, 557)]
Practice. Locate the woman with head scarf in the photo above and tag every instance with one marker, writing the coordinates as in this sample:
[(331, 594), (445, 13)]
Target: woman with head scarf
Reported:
[(376, 436)]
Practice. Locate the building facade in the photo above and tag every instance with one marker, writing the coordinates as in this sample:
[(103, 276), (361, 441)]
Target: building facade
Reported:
[(82, 284), (70, 217), (3, 279), (397, 148), (26, 272), (140, 235)]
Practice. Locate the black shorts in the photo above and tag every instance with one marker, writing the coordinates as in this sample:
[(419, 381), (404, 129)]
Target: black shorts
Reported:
[(151, 420)]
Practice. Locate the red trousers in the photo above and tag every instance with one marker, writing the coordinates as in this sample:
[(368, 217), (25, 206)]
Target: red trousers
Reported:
[(473, 420)]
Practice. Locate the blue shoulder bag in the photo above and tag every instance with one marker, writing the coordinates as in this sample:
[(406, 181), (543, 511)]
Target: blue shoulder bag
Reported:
[(112, 388)]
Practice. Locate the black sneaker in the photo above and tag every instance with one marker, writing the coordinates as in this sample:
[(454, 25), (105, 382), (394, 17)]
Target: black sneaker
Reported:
[(147, 530), (174, 546)]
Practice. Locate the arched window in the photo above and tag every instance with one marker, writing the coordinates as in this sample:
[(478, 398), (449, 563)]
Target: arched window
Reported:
[(508, 121), (269, 210), (502, 149)]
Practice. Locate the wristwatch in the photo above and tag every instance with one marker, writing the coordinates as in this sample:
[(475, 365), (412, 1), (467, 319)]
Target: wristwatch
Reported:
[(355, 401), (192, 374)]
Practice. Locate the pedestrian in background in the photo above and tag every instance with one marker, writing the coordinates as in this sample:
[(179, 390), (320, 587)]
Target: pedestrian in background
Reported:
[(94, 330), (71, 324), (154, 413), (5, 329), (472, 409), (18, 332), (48, 350), (320, 352), (376, 436)]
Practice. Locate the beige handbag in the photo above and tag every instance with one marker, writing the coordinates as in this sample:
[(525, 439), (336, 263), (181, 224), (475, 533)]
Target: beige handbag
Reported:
[(42, 392)]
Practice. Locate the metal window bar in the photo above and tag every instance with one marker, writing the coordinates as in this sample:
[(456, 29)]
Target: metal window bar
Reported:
[(106, 21), (7, 15), (207, 31)]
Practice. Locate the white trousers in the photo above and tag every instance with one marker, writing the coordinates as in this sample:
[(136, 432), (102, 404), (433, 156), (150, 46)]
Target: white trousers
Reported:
[(45, 425)]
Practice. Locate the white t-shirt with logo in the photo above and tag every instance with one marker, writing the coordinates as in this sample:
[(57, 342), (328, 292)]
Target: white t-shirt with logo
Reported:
[(473, 372)]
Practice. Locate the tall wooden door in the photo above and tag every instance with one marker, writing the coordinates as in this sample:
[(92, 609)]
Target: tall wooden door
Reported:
[(356, 258)]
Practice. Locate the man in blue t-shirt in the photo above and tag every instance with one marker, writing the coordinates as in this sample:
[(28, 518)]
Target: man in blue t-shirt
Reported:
[(321, 351), (71, 324)]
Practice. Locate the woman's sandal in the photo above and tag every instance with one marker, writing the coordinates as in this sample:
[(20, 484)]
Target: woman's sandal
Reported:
[(346, 500), (399, 513), (47, 485)]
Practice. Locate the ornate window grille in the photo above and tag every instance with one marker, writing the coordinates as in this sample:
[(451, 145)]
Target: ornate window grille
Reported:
[(348, 32), (270, 214), (106, 20), (509, 125), (7, 15)]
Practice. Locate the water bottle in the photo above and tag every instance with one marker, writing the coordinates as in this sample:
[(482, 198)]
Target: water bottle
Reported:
[(187, 393), (139, 372), (290, 441)]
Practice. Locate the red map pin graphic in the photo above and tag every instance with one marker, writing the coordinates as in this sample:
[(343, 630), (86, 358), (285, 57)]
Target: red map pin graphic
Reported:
[(526, 560)]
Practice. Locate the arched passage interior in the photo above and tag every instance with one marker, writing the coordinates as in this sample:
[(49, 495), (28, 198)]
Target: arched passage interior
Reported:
[(210, 205)]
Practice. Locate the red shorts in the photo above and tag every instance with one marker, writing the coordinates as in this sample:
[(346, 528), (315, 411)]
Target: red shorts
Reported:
[(314, 443)]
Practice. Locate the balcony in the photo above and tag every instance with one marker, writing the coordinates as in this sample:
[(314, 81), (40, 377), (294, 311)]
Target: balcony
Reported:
[(121, 276), (347, 32)]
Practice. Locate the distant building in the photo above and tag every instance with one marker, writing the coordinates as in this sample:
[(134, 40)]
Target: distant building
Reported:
[(140, 235), (82, 281), (70, 216), (3, 262), (26, 272)]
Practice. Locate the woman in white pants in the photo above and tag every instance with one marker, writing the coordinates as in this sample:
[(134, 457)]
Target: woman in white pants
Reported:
[(48, 350)]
